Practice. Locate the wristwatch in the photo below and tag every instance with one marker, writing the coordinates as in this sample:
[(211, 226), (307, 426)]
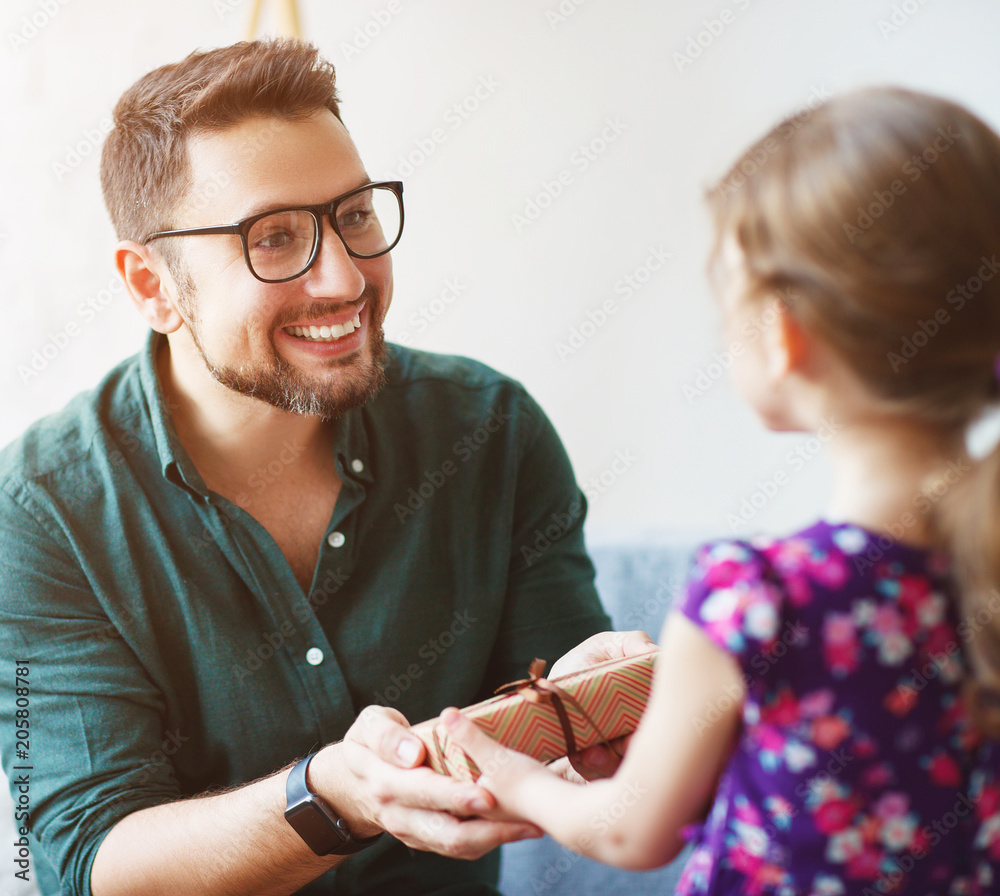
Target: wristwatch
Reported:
[(311, 817)]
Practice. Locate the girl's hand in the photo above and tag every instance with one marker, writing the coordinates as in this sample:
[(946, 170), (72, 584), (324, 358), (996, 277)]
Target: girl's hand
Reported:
[(517, 781)]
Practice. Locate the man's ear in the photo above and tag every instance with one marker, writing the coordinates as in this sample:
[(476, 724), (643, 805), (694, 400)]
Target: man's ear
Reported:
[(787, 343), (149, 284)]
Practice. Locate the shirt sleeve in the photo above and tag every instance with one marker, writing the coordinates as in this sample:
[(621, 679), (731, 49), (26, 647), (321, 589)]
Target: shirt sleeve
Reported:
[(733, 596), (95, 745), (551, 603)]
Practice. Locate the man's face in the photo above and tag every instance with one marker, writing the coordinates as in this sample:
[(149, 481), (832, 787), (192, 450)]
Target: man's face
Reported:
[(243, 329)]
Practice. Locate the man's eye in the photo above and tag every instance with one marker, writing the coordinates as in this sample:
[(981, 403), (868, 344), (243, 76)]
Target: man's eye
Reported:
[(358, 217), (276, 239)]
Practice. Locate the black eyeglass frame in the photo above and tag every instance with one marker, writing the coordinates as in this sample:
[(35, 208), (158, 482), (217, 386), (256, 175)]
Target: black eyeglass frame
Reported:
[(317, 211)]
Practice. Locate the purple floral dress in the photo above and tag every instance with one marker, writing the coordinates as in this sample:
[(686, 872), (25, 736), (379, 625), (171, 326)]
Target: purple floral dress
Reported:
[(856, 770)]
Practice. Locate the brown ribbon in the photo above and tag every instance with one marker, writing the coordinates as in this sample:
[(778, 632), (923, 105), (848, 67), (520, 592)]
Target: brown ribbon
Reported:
[(537, 689)]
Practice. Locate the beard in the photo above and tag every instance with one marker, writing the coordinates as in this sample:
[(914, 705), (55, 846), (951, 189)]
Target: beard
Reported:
[(274, 381)]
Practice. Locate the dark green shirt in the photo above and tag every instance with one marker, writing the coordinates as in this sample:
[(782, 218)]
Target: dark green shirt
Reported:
[(171, 649)]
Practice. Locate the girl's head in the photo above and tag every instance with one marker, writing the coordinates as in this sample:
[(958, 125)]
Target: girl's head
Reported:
[(875, 220)]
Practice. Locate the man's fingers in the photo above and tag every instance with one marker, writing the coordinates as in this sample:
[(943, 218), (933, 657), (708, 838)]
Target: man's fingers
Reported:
[(386, 733), (458, 838), (602, 647)]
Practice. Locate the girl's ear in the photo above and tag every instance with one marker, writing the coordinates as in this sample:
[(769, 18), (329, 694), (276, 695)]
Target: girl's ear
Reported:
[(149, 285), (786, 342)]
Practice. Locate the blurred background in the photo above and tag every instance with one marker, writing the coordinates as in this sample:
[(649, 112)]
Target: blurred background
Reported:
[(555, 154)]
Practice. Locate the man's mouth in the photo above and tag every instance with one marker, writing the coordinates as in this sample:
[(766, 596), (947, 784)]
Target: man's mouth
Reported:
[(326, 333)]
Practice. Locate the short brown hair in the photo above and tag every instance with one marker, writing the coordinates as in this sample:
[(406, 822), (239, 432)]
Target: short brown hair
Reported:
[(145, 169)]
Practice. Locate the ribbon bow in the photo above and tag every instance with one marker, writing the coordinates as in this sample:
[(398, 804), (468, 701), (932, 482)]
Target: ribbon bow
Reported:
[(537, 689)]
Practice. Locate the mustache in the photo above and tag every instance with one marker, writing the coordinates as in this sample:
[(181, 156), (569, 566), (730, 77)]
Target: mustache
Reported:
[(370, 297)]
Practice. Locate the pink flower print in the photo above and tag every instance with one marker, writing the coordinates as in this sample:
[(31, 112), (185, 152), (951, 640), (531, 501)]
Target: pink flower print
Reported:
[(826, 885), (943, 770), (829, 570), (829, 731), (876, 776), (723, 574), (892, 805), (816, 703), (843, 846), (931, 609), (744, 861), (886, 620), (865, 865), (864, 746), (901, 700), (988, 802), (747, 812), (781, 710), (894, 647), (770, 739), (840, 643), (841, 659), (897, 833), (781, 810), (765, 880), (835, 815)]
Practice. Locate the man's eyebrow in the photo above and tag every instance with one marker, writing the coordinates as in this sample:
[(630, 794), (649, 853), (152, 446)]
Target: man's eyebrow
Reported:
[(261, 208)]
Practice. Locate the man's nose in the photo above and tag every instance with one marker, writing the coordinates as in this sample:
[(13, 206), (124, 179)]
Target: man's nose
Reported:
[(334, 274)]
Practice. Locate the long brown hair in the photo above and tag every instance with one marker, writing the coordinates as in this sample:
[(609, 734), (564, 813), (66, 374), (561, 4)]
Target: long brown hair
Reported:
[(880, 212)]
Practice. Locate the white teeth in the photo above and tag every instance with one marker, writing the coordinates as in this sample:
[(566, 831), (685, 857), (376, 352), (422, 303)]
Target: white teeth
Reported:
[(326, 334)]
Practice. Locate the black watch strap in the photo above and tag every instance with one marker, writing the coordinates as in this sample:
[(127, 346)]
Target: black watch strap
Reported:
[(311, 817)]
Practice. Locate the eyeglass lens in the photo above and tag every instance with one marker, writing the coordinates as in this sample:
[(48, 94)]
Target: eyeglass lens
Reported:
[(280, 245)]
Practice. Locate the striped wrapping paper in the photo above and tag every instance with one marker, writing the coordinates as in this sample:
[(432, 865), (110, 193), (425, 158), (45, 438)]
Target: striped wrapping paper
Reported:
[(613, 694)]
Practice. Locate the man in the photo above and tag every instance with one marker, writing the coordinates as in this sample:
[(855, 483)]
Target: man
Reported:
[(268, 521)]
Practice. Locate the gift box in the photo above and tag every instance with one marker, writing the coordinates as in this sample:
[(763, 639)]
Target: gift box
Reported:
[(549, 718)]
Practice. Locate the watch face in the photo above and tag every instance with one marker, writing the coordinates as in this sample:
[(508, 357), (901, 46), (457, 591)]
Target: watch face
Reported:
[(312, 826)]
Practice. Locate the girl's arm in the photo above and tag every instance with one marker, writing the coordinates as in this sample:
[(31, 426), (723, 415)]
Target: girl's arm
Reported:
[(670, 771)]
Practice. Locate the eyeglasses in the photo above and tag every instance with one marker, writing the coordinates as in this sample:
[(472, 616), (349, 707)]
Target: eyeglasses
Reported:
[(283, 244)]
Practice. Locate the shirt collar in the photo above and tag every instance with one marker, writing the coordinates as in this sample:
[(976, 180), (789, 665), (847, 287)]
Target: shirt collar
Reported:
[(174, 460), (350, 443)]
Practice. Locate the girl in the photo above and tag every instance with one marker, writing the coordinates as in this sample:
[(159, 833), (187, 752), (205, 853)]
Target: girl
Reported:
[(830, 693)]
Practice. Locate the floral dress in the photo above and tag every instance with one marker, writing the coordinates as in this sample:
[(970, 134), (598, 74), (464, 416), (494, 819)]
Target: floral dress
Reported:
[(856, 770)]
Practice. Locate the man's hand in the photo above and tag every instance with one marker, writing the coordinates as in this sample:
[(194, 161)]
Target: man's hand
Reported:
[(375, 781), (600, 760)]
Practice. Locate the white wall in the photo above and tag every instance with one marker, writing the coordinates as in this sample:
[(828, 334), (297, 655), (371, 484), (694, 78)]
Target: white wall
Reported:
[(551, 76)]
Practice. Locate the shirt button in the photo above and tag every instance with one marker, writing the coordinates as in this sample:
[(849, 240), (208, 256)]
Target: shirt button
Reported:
[(314, 656), (336, 539), (357, 465)]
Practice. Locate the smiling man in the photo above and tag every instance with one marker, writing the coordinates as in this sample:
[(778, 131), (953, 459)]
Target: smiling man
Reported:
[(206, 567)]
